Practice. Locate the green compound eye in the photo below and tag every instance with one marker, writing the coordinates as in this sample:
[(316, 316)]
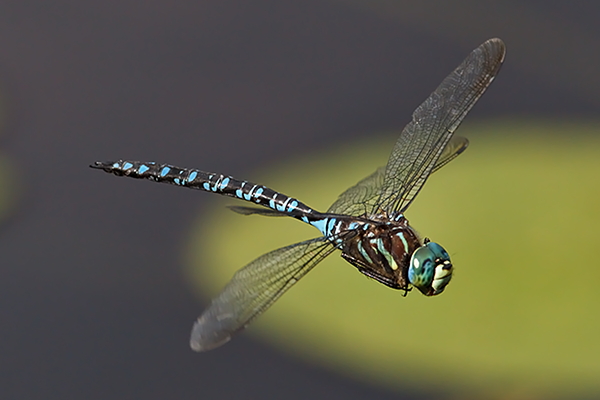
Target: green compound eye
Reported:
[(430, 269)]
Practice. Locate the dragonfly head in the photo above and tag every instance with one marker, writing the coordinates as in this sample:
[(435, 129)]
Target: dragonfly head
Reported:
[(430, 269)]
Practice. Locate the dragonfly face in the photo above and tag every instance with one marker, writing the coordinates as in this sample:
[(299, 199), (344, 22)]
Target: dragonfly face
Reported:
[(430, 269), (366, 222)]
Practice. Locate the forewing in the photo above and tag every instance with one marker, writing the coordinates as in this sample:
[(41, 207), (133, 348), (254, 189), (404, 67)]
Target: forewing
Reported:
[(424, 139), (253, 289), (361, 198)]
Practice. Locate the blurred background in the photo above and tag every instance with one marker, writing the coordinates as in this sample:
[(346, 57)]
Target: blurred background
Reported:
[(96, 303)]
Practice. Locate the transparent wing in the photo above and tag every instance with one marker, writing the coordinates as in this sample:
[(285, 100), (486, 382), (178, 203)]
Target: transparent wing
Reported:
[(361, 198), (453, 149), (255, 288), (247, 210), (424, 139)]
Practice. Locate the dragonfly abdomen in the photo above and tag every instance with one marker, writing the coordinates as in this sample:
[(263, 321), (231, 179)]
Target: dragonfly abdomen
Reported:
[(208, 182)]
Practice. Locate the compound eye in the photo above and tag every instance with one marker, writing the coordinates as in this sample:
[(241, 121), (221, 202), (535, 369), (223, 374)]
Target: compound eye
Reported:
[(422, 269), (430, 269), (438, 251)]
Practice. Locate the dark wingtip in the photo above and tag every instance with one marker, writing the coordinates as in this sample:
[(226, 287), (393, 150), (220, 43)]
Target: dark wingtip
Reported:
[(498, 47)]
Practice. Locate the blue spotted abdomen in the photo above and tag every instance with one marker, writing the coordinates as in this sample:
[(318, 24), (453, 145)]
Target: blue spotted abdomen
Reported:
[(207, 181)]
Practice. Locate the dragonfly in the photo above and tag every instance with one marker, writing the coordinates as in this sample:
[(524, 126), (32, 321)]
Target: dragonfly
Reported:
[(366, 223)]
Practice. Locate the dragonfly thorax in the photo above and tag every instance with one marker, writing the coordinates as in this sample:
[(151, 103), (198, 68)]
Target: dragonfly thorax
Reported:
[(391, 252), (383, 250)]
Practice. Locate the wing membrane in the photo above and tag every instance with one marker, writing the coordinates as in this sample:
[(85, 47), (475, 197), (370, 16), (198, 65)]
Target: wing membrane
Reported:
[(255, 288), (246, 210), (361, 198), (424, 139), (453, 149)]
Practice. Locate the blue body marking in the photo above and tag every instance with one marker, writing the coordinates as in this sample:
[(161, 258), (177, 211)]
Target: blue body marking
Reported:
[(272, 201), (364, 253), (292, 206), (248, 196), (386, 254), (224, 183), (320, 224), (404, 242), (164, 171), (331, 224), (239, 193), (217, 184), (281, 207)]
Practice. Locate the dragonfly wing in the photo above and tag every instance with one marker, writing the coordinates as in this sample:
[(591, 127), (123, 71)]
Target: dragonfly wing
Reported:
[(423, 140), (246, 210), (453, 149), (255, 288), (360, 198)]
